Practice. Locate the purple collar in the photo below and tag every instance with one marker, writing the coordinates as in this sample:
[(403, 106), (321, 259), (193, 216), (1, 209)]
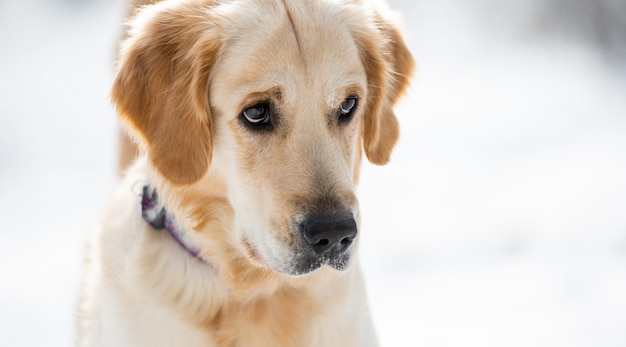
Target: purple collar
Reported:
[(158, 218)]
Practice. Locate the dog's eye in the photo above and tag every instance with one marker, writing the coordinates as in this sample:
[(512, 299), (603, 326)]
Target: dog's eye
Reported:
[(257, 115), (346, 110)]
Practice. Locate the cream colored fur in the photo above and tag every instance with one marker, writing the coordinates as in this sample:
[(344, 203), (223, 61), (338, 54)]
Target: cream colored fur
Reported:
[(187, 71)]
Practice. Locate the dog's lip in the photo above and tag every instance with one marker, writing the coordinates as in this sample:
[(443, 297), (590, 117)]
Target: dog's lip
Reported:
[(252, 253), (308, 264)]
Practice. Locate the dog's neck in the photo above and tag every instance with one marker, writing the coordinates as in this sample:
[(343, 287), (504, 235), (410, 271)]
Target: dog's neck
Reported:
[(155, 214)]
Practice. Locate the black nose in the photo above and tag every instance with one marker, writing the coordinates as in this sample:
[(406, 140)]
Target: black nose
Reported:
[(327, 234)]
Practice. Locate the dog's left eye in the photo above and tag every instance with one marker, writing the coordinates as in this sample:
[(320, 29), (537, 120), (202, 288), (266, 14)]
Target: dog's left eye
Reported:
[(257, 115), (346, 109)]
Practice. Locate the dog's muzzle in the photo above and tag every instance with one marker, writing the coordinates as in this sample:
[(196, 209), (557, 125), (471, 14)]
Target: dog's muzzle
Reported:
[(325, 239)]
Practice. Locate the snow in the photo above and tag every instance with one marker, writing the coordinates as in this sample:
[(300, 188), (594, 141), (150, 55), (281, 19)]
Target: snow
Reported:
[(501, 220)]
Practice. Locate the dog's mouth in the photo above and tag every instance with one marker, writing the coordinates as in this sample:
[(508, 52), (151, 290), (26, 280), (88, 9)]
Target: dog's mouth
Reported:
[(252, 253), (308, 264), (303, 262)]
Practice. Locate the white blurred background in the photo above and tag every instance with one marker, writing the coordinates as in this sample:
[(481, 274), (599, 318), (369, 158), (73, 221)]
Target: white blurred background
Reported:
[(501, 220)]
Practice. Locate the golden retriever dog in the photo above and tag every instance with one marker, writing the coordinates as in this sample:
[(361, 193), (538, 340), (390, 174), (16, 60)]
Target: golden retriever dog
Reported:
[(238, 224)]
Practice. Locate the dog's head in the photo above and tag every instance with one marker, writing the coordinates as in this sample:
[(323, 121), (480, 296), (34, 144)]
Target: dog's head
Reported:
[(275, 97)]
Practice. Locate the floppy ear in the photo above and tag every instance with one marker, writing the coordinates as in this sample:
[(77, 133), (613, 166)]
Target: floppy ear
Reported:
[(389, 66), (161, 89)]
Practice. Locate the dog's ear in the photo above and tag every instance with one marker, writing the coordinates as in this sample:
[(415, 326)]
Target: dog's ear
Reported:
[(161, 89), (389, 66)]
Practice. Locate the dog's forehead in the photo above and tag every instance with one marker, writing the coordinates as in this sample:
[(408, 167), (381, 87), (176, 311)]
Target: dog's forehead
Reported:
[(297, 45)]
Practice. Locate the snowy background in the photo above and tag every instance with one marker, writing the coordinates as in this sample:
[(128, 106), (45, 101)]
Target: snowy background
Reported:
[(501, 220)]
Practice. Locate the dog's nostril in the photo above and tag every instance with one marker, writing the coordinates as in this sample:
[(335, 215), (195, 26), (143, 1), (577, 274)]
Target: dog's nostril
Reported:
[(327, 234), (323, 242)]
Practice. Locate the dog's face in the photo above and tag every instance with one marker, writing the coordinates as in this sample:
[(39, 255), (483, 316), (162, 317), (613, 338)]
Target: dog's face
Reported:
[(278, 98)]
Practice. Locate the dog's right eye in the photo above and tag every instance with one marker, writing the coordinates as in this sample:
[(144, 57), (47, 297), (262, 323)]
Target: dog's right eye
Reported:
[(257, 115), (346, 110)]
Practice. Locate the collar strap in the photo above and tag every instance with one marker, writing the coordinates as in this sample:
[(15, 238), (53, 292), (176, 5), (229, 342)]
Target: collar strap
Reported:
[(158, 218)]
